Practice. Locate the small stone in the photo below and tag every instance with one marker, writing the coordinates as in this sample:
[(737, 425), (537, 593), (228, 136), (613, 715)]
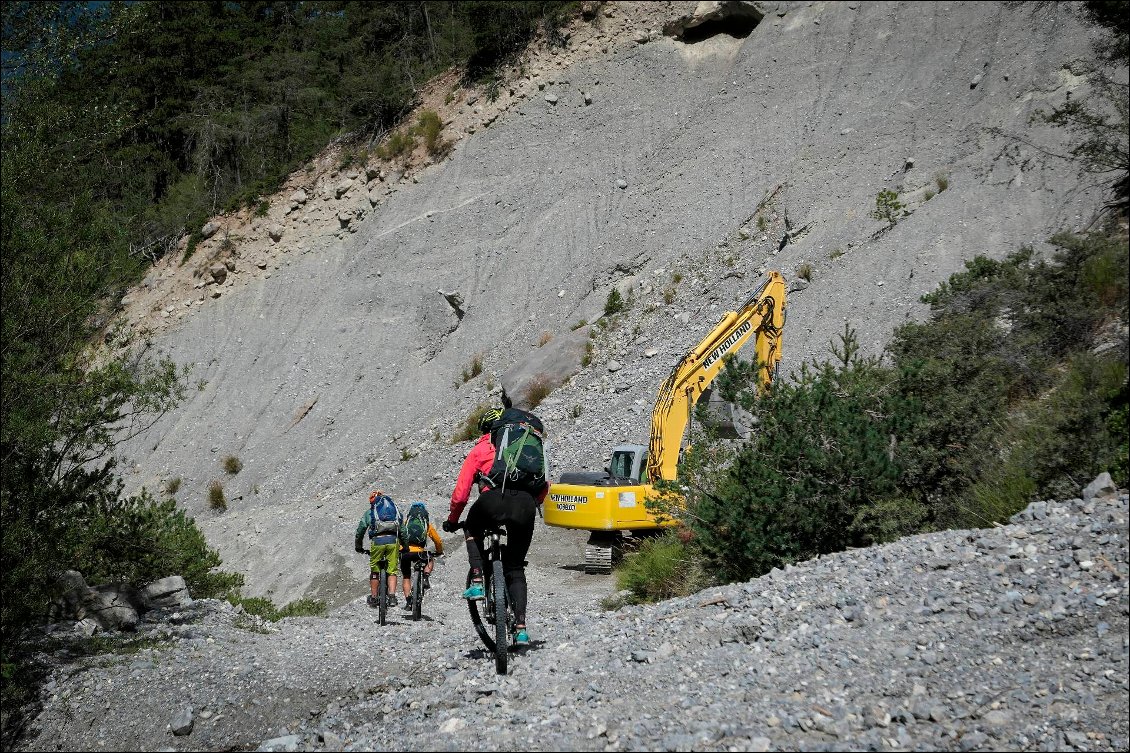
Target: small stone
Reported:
[(551, 98), (614, 365), (621, 184), (182, 722), (996, 718), (650, 353)]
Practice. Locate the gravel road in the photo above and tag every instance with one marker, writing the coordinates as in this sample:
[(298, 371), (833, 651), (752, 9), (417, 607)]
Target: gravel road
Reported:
[(1014, 637)]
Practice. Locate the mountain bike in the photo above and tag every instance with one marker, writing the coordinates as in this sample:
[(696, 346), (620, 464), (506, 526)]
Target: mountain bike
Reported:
[(382, 587), (493, 617), (420, 561)]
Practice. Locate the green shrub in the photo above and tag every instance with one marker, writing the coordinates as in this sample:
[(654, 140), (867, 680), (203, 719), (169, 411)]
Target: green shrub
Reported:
[(232, 465), (138, 539), (929, 195), (470, 428), (580, 323), (677, 278), (836, 254), (216, 499), (942, 181), (669, 295), (888, 208), (266, 609), (614, 303), (820, 455), (663, 568), (397, 144), (538, 390), (304, 608), (804, 272), (263, 208), (889, 519), (586, 359), (172, 485), (429, 126), (474, 369), (762, 223), (493, 89)]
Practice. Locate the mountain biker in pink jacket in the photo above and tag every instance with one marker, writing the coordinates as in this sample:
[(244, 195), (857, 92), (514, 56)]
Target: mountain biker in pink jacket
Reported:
[(512, 508)]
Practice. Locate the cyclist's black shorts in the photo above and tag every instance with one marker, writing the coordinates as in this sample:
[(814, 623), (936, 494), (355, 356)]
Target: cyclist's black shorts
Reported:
[(406, 560), (512, 508)]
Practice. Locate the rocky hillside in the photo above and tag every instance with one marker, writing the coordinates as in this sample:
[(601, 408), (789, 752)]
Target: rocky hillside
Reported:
[(328, 340), (1010, 638)]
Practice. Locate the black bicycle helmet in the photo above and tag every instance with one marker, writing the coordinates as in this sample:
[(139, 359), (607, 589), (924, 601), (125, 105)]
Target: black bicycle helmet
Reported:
[(486, 421)]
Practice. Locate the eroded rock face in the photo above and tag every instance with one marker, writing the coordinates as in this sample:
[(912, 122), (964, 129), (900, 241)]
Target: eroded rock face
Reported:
[(734, 17)]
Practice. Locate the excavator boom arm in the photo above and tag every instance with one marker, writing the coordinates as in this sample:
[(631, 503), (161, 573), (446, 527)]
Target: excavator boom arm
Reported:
[(762, 317)]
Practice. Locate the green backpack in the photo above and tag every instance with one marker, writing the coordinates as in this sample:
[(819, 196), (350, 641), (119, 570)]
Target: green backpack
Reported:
[(414, 528)]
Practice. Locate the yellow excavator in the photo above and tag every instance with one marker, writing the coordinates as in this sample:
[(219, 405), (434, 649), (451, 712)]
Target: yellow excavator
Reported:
[(612, 504)]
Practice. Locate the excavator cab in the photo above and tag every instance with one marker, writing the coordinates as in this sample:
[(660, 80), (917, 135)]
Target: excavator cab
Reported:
[(628, 463)]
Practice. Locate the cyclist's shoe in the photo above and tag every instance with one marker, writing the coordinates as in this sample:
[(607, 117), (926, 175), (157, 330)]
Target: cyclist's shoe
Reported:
[(427, 582), (408, 602), (391, 600), (475, 592), (371, 601), (521, 638)]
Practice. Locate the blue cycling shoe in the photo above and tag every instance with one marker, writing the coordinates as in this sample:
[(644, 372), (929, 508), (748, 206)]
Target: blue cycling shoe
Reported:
[(522, 638), (475, 592)]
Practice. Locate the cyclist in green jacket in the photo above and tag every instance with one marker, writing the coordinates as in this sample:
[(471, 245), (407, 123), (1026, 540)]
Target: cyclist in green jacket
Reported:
[(383, 543)]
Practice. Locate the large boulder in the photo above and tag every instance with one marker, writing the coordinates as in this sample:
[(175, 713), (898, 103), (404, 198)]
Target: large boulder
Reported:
[(546, 367), (1102, 486), (112, 606), (166, 593)]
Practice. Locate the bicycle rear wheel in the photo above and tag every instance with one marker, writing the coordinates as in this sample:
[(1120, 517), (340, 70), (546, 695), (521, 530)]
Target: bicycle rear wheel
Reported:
[(382, 596), (480, 618), (417, 591), (498, 603)]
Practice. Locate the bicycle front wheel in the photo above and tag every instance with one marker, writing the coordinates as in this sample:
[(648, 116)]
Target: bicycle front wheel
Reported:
[(501, 639), (417, 592), (382, 597)]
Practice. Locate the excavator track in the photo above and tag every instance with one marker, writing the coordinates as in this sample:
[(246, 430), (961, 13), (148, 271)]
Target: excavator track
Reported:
[(598, 555)]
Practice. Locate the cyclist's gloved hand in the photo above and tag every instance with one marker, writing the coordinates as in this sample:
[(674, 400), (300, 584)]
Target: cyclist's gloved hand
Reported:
[(450, 526), (358, 548)]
